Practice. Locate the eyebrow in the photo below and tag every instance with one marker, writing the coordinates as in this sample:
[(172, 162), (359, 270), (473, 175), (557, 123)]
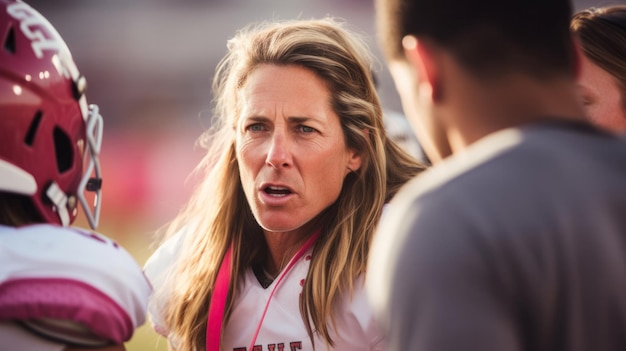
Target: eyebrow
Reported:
[(292, 119), (296, 119)]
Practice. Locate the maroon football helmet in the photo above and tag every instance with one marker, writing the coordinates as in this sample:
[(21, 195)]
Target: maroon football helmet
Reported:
[(49, 137)]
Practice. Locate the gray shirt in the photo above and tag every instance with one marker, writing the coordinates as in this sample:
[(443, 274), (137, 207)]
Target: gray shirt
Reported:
[(517, 243)]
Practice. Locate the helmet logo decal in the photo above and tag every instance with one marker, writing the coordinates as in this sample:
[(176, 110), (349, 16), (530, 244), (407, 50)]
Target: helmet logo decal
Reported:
[(34, 28), (43, 37), (9, 43)]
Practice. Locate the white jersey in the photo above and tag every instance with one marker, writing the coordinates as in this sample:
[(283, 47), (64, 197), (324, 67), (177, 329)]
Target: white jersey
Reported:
[(282, 328), (68, 284)]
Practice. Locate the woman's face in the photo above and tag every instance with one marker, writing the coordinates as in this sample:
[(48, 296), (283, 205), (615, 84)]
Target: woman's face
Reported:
[(291, 150), (601, 97)]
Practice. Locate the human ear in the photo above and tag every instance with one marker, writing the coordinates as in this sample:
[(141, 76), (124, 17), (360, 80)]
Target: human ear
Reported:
[(354, 161), (577, 56), (422, 57)]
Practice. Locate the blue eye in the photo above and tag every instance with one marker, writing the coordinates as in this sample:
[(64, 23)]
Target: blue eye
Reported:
[(306, 129), (257, 127)]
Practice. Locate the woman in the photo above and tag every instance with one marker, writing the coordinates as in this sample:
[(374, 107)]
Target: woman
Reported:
[(271, 249), (602, 79)]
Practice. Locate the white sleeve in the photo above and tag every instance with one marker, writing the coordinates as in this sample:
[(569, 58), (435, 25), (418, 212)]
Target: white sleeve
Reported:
[(49, 272), (362, 310), (158, 268), (355, 320)]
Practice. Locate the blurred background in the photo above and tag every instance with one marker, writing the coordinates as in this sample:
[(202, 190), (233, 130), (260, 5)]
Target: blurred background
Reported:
[(149, 66)]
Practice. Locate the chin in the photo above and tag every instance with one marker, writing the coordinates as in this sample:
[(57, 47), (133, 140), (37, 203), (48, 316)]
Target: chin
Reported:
[(281, 223), (284, 221), (280, 227)]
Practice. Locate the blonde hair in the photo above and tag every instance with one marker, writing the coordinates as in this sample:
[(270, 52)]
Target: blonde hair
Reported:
[(220, 212)]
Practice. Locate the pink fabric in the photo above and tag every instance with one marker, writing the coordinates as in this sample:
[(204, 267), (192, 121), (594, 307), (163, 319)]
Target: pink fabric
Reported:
[(218, 303), (65, 299)]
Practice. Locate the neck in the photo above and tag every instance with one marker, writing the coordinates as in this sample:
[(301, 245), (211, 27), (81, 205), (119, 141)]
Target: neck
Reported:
[(282, 247), (476, 109)]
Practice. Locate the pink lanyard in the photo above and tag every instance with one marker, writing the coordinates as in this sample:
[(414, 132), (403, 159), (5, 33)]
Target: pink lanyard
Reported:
[(218, 303), (220, 293)]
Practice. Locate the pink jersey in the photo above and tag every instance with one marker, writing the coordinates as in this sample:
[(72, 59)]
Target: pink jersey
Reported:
[(282, 328), (70, 284)]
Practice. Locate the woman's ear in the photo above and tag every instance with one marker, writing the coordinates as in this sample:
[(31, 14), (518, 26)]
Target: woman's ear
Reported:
[(354, 161), (577, 56), (422, 57)]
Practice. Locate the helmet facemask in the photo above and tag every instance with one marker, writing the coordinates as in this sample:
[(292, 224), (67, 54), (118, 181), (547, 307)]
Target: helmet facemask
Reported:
[(92, 167)]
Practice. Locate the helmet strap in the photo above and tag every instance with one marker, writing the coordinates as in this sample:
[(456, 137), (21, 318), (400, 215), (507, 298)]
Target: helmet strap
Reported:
[(59, 200)]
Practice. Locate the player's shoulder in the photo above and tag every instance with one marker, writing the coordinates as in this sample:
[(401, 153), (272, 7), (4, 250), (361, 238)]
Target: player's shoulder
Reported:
[(46, 250), (469, 173), (47, 271), (446, 194), (49, 240), (51, 231)]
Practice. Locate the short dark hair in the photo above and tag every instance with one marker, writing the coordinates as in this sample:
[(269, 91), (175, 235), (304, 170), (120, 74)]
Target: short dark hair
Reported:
[(484, 36)]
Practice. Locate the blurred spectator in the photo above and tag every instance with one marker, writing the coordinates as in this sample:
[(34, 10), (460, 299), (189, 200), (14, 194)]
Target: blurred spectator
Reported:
[(601, 32)]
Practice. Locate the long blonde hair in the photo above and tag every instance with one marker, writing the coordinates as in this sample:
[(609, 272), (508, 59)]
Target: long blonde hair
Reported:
[(220, 212)]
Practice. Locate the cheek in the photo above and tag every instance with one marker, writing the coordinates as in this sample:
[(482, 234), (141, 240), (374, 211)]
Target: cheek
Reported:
[(609, 115), (609, 106), (594, 113), (329, 173), (246, 161), (247, 151)]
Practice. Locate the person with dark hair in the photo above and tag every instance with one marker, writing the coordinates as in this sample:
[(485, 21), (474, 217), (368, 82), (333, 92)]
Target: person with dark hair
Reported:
[(61, 288), (515, 238), (601, 32)]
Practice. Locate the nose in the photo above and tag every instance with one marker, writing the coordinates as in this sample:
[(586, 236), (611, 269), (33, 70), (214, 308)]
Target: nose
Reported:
[(278, 155)]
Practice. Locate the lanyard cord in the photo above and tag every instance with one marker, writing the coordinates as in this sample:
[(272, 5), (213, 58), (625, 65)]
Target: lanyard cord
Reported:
[(220, 294)]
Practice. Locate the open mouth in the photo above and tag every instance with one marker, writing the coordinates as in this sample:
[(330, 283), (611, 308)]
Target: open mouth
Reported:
[(277, 191)]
